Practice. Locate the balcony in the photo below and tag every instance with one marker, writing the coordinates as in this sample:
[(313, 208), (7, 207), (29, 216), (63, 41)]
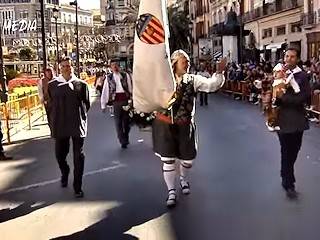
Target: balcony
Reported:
[(271, 9), (309, 20), (216, 29), (110, 22)]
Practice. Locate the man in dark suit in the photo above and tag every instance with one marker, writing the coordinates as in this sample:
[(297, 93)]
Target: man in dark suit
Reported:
[(69, 104), (292, 121)]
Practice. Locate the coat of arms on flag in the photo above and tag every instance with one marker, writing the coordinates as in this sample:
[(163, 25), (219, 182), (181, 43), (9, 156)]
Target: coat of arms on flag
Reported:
[(150, 29)]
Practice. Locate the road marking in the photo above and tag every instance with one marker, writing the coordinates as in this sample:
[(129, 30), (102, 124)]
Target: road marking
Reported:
[(45, 183)]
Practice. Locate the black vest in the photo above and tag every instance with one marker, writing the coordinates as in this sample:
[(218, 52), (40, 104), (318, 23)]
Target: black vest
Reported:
[(113, 86)]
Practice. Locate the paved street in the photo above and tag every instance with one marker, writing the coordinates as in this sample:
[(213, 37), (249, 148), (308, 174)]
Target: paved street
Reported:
[(235, 184)]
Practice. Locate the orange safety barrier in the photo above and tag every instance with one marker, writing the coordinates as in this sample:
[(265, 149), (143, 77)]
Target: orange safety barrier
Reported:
[(19, 114), (236, 88)]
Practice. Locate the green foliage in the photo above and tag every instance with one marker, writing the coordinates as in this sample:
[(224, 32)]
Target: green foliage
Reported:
[(179, 29), (11, 73), (26, 54)]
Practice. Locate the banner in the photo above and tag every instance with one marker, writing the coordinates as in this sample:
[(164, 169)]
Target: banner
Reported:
[(153, 80), (205, 48)]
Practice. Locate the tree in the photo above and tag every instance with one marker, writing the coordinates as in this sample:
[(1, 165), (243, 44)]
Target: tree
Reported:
[(26, 54), (11, 74), (179, 29), (133, 12)]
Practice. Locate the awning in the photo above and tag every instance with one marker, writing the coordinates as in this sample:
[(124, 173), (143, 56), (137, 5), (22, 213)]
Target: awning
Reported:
[(274, 46), (217, 55)]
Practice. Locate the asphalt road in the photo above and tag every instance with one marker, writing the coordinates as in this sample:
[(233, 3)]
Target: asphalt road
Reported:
[(235, 184)]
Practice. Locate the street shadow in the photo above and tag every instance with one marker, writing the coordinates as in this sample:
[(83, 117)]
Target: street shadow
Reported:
[(21, 210), (134, 186)]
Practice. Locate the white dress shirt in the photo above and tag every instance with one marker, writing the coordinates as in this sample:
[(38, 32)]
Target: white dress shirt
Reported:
[(117, 79), (119, 89)]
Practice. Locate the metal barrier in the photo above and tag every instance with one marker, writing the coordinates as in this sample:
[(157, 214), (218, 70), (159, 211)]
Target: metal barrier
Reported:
[(242, 89), (236, 88), (19, 114)]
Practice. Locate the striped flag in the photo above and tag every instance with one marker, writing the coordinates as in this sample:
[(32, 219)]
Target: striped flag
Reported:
[(153, 81), (150, 30)]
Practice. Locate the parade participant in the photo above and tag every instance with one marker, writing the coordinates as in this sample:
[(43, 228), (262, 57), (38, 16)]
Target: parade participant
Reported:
[(203, 95), (117, 92), (174, 136), (280, 83), (292, 121), (69, 104), (43, 89)]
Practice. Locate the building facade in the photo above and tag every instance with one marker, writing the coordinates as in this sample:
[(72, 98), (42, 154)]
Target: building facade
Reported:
[(275, 25), (208, 17), (21, 26), (311, 27), (67, 30), (114, 13), (218, 12)]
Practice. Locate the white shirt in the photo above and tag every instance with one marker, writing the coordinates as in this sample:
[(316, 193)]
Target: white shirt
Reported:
[(117, 79), (119, 89), (204, 84)]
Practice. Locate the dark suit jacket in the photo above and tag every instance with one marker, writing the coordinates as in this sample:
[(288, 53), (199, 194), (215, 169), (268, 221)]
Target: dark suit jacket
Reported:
[(292, 113)]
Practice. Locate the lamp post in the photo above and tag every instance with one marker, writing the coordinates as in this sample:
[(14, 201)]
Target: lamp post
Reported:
[(56, 16), (191, 40), (4, 96), (43, 37), (75, 3), (241, 31)]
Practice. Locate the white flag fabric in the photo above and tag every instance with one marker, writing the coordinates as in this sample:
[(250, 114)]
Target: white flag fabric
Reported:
[(153, 80)]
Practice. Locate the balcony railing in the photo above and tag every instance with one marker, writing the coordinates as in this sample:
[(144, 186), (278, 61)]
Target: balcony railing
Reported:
[(310, 20), (271, 9), (216, 29)]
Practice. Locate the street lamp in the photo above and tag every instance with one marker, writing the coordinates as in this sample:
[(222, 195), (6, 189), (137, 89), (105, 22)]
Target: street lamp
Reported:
[(241, 31), (75, 3), (190, 32), (4, 90), (56, 16), (43, 37)]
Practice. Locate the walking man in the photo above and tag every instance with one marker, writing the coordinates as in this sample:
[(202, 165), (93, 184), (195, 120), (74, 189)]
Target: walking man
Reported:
[(292, 121), (117, 92), (70, 102)]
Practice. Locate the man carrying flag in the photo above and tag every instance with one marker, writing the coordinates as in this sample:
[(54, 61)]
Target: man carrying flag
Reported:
[(163, 85), (174, 134)]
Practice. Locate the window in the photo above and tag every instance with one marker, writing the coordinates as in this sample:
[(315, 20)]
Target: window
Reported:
[(296, 27), (69, 18), (121, 3), (281, 30), (24, 14), (266, 33), (64, 18)]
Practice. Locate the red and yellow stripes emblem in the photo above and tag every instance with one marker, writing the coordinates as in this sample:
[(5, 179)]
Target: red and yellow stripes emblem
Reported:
[(150, 30)]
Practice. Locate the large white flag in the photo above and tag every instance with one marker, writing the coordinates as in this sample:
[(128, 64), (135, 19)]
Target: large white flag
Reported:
[(153, 81)]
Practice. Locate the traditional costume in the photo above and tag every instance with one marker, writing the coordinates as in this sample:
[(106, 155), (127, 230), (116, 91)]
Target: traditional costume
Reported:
[(283, 79), (69, 104), (116, 92), (174, 129)]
